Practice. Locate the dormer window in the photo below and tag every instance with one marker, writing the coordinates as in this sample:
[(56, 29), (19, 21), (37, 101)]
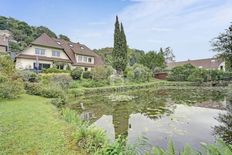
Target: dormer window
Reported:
[(213, 60), (58, 42), (82, 47)]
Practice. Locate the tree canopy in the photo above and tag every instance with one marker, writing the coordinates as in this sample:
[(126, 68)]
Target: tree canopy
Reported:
[(223, 46), (119, 54), (22, 33), (64, 37), (153, 60)]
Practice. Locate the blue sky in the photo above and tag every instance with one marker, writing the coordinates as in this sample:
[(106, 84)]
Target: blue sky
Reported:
[(186, 26)]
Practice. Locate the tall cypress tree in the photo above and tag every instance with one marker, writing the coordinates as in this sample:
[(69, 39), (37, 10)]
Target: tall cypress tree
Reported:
[(117, 46), (120, 48), (124, 48)]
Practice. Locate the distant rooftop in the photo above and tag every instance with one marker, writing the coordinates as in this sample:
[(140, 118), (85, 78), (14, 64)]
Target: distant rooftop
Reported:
[(208, 63)]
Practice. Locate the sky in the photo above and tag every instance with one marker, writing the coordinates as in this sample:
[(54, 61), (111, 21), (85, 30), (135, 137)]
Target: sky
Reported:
[(187, 26)]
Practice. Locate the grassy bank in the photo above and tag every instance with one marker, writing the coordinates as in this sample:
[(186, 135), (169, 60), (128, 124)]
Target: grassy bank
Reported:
[(31, 125)]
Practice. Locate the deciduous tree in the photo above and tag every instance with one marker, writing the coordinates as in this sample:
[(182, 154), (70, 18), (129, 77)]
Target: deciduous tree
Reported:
[(223, 46)]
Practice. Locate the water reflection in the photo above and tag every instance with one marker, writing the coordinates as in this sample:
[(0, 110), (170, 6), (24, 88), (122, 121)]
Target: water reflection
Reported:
[(186, 117)]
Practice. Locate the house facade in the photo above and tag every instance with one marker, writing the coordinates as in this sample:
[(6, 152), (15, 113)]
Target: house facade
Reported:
[(46, 52), (210, 63), (4, 41)]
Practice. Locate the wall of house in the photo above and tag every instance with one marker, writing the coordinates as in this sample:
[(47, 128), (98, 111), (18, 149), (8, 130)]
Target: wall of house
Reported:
[(88, 68), (22, 63), (223, 65), (84, 58), (48, 52), (2, 49)]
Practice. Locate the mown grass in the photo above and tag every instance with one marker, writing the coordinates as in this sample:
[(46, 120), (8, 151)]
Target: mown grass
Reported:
[(31, 125)]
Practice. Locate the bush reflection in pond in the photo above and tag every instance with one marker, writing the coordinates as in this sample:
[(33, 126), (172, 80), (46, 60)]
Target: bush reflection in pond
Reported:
[(154, 104)]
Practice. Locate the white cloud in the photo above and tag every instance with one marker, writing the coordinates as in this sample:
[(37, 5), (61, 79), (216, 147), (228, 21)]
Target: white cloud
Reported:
[(185, 25)]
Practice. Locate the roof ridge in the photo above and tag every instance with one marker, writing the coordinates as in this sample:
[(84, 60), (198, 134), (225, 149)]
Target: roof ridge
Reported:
[(195, 60)]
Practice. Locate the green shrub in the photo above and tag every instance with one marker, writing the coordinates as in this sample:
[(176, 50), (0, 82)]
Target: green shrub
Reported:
[(11, 88), (219, 148), (49, 91), (28, 76), (33, 88), (61, 80), (52, 91), (198, 75), (59, 102), (7, 66), (119, 146), (93, 83), (87, 83), (102, 72), (139, 73), (76, 73), (90, 138), (87, 75), (181, 73), (54, 70), (68, 68), (71, 116), (190, 73), (3, 78)]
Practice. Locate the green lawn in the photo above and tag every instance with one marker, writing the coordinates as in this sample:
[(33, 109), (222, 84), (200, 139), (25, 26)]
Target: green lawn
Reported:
[(31, 125)]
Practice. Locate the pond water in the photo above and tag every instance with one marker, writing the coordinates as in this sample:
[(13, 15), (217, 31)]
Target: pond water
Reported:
[(187, 116)]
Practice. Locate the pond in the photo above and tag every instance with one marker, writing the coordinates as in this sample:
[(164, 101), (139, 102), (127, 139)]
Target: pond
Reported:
[(187, 116)]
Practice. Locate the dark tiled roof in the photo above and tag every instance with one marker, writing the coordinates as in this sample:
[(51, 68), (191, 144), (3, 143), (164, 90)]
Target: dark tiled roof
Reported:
[(42, 58), (210, 63), (69, 48), (45, 40)]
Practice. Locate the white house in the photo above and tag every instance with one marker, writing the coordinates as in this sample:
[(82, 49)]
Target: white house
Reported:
[(209, 63), (45, 52)]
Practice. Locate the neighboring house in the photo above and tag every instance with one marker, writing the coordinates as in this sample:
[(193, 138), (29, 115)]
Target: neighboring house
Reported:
[(45, 52), (210, 63), (4, 41)]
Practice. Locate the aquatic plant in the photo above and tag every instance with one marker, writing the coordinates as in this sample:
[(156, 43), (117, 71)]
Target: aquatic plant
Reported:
[(120, 98), (219, 148), (117, 147), (71, 116)]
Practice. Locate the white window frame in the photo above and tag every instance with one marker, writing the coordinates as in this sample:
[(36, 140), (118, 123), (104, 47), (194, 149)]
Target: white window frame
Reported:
[(80, 58), (39, 51), (89, 60), (85, 59)]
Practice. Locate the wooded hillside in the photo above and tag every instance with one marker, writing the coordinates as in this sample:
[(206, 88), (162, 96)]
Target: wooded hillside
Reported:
[(23, 33)]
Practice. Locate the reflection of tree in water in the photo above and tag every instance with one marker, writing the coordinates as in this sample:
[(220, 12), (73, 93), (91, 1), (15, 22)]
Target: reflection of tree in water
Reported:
[(225, 129), (121, 114), (153, 103)]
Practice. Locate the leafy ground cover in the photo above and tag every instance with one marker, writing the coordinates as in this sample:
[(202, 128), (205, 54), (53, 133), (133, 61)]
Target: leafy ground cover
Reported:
[(31, 125)]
